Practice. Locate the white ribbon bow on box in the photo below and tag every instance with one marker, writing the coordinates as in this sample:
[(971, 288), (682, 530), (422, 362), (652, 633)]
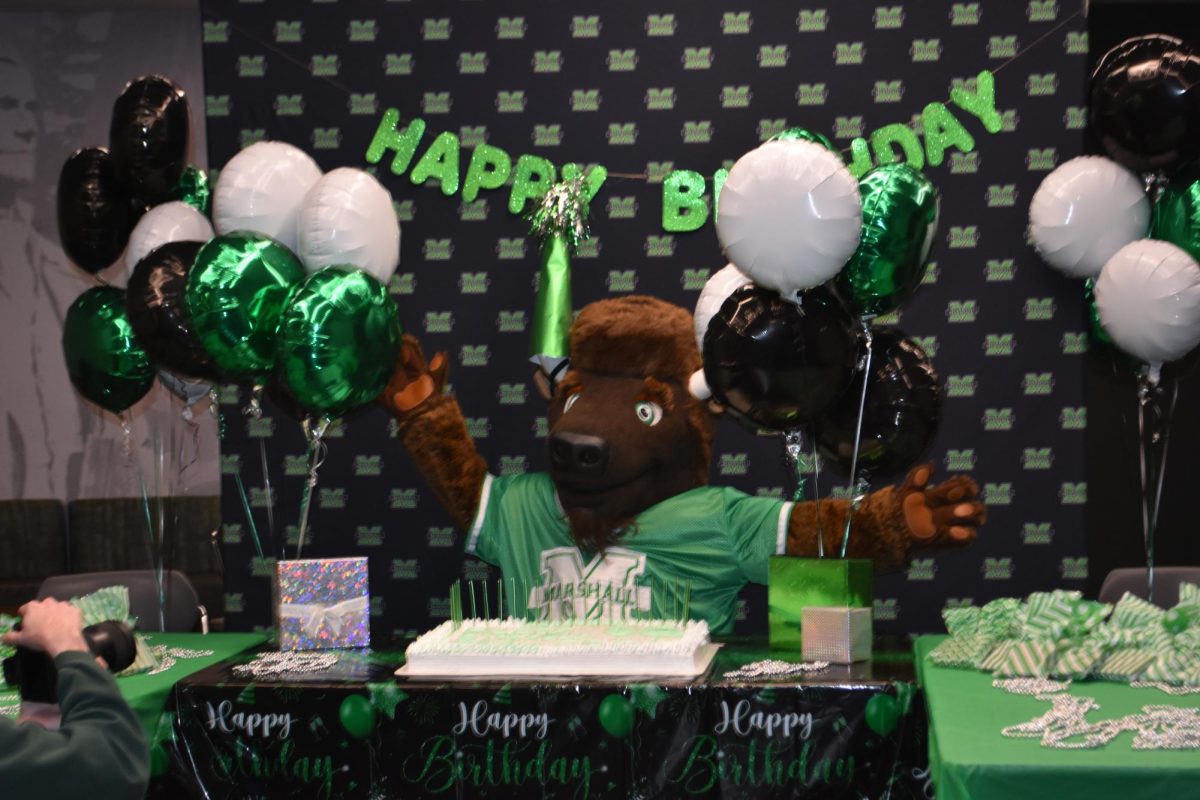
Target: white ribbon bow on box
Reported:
[(313, 615)]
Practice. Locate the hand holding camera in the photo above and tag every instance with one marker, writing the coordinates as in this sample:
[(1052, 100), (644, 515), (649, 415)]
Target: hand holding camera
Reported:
[(49, 625), (49, 628)]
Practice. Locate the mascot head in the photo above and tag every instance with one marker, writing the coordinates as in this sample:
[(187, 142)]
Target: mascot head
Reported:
[(625, 433)]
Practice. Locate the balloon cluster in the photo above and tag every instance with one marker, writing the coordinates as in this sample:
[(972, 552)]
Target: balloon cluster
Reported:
[(1129, 223), (785, 329), (291, 284)]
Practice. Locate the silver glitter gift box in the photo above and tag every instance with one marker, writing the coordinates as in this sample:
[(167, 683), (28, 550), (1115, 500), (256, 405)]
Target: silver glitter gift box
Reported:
[(322, 603), (836, 634)]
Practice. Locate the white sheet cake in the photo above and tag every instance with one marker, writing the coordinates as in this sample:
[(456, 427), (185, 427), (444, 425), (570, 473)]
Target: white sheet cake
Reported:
[(517, 647)]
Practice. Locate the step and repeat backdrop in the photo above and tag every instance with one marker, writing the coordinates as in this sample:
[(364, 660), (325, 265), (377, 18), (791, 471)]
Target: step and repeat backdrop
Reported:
[(644, 92)]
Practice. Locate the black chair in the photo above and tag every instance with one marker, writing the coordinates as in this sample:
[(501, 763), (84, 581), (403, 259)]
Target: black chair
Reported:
[(33, 546), (181, 609), (110, 534), (1133, 580)]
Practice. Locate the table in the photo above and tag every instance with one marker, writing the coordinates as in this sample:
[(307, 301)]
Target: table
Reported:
[(970, 759), (358, 732), (148, 694)]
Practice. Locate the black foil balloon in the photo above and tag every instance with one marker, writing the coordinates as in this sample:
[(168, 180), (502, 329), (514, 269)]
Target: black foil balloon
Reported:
[(154, 302), (95, 215), (901, 415), (779, 364), (149, 136), (1145, 102)]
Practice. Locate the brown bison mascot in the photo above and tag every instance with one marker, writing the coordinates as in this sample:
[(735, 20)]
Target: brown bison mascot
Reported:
[(625, 515)]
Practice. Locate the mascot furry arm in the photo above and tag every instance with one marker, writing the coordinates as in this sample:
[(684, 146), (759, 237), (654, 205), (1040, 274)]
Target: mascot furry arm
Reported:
[(625, 435)]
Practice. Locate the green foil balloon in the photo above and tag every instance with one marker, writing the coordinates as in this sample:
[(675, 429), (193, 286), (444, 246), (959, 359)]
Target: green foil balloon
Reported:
[(235, 295), (338, 340), (900, 214), (104, 359), (1176, 217), (193, 188), (804, 135)]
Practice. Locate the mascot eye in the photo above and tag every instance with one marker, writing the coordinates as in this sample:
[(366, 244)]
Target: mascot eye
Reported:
[(649, 413), (571, 401)]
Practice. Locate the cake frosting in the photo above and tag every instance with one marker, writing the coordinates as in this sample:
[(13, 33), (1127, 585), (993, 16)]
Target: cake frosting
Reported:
[(520, 647)]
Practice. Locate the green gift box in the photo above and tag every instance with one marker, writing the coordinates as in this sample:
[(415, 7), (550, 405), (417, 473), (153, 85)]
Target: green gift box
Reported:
[(794, 584)]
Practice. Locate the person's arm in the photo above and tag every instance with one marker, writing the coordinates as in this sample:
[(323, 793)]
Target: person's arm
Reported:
[(100, 750)]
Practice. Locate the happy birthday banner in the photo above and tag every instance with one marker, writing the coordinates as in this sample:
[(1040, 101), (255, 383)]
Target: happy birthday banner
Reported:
[(684, 204)]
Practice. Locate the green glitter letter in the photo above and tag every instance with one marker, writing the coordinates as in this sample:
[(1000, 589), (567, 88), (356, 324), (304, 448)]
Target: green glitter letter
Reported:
[(534, 176), (388, 138), (942, 129), (981, 102), (683, 206), (489, 169), (441, 162)]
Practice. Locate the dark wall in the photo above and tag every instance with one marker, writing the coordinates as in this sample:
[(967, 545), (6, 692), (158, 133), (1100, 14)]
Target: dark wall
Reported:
[(1114, 510), (1004, 330)]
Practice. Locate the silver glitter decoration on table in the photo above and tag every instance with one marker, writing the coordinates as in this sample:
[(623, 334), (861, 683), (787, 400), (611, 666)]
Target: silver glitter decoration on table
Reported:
[(774, 668), (1166, 728), (1166, 688), (169, 656), (1031, 686), (270, 665), (1064, 721), (1065, 726)]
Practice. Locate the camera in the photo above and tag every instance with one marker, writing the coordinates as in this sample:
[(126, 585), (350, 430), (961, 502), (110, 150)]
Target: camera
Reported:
[(33, 671)]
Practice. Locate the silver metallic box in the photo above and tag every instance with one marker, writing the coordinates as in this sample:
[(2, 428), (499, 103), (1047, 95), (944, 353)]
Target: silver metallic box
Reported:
[(836, 634)]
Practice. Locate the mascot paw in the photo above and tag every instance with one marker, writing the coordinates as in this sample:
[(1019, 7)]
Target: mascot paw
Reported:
[(414, 380), (945, 514)]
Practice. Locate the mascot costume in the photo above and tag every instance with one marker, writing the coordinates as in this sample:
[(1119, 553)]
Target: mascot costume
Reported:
[(626, 505)]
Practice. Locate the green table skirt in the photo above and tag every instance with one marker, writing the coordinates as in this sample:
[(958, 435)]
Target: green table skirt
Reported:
[(970, 759)]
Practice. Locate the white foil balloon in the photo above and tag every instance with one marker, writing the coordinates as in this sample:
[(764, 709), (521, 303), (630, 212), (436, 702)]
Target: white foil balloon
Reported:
[(1148, 297), (261, 190), (347, 218), (170, 222), (723, 283), (1084, 212), (789, 215)]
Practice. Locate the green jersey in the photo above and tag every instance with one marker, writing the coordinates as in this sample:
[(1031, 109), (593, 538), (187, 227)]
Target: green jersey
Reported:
[(696, 549)]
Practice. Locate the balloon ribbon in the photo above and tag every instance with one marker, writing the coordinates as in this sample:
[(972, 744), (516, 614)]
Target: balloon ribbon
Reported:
[(797, 461), (315, 434), (153, 549), (856, 489), (1159, 429), (253, 410), (215, 408)]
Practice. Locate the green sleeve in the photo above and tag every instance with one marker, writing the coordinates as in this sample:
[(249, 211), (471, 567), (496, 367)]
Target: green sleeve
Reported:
[(99, 750), (758, 528)]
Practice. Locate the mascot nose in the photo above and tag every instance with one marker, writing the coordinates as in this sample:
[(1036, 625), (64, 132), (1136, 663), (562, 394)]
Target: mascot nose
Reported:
[(577, 452)]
